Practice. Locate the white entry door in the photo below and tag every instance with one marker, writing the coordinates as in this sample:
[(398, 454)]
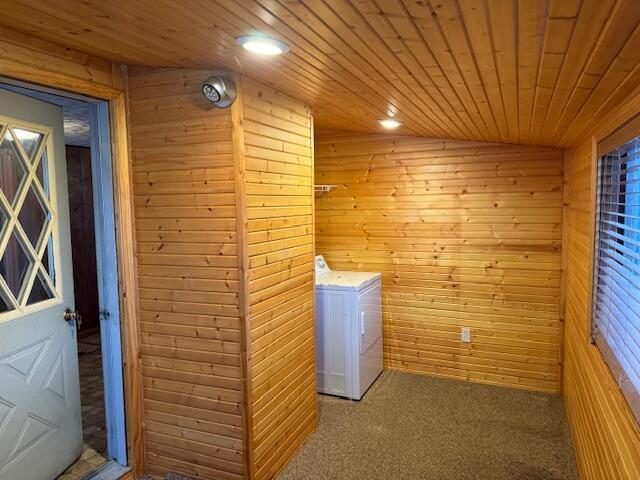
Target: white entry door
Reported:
[(40, 423)]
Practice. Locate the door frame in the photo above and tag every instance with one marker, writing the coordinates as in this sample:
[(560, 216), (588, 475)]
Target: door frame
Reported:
[(33, 75), (106, 264)]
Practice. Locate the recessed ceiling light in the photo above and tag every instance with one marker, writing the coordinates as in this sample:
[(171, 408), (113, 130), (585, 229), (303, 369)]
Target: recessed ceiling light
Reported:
[(389, 123), (262, 45)]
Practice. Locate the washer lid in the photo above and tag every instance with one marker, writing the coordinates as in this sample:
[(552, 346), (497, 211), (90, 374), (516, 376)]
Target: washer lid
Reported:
[(351, 280)]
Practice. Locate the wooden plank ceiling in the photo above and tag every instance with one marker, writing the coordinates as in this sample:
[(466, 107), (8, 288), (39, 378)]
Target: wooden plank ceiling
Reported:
[(522, 71)]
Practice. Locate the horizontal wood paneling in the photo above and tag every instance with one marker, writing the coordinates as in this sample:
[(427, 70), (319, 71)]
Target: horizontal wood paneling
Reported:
[(185, 210), (27, 58), (465, 234), (525, 71), (279, 222), (606, 436)]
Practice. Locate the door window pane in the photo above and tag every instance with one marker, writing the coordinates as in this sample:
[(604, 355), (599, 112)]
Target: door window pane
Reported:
[(14, 265), (12, 171), (29, 140), (47, 261), (19, 260), (3, 221), (33, 216), (42, 172), (39, 292), (3, 305)]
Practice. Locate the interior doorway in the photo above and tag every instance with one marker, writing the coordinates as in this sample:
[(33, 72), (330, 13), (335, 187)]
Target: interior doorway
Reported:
[(85, 282), (92, 234)]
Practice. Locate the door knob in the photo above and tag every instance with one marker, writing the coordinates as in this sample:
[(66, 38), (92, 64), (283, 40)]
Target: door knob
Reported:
[(73, 315)]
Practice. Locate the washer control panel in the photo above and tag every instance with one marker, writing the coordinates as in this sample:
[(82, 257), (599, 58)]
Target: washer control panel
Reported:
[(321, 265)]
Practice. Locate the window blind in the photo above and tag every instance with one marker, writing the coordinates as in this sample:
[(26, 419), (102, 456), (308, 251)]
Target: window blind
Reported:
[(616, 286)]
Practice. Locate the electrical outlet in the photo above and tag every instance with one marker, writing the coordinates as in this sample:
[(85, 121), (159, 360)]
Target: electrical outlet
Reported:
[(465, 335)]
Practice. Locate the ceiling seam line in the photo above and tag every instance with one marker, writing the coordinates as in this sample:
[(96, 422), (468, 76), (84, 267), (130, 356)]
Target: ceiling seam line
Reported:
[(417, 106), (426, 45), (371, 106), (495, 62), (462, 76), (557, 80), (421, 68), (601, 77)]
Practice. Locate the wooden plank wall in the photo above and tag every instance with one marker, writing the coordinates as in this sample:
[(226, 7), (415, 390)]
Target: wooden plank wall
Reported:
[(30, 59), (278, 136), (606, 436), (188, 276), (465, 234)]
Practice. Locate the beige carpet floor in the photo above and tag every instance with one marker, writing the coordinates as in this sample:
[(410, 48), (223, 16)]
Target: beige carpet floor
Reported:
[(410, 427)]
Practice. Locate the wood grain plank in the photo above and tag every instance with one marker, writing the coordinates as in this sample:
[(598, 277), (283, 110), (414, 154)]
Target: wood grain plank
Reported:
[(188, 256), (278, 188), (443, 254)]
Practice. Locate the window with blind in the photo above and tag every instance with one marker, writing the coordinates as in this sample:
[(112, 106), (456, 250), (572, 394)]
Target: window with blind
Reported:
[(616, 287)]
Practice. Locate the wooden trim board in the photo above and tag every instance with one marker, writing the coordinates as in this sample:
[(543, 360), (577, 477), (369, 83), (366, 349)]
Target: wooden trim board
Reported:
[(237, 122), (127, 272)]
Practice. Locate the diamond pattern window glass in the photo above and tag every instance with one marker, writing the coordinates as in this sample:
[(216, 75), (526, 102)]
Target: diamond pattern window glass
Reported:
[(26, 219), (42, 172), (14, 265), (47, 260), (3, 221), (3, 306), (29, 140), (33, 216), (40, 291), (12, 169)]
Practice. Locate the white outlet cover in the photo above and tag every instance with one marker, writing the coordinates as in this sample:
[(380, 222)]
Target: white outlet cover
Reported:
[(465, 335)]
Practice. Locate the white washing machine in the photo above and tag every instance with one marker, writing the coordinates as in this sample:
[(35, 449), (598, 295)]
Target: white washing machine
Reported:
[(348, 330)]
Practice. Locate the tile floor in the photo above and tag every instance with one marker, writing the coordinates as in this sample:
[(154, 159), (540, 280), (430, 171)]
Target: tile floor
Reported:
[(92, 393), (92, 401), (88, 461)]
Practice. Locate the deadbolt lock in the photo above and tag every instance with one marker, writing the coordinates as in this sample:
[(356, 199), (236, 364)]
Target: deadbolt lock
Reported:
[(73, 315)]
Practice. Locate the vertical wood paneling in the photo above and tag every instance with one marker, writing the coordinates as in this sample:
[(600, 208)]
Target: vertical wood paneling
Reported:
[(185, 210), (279, 216), (606, 436), (465, 234), (127, 272)]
